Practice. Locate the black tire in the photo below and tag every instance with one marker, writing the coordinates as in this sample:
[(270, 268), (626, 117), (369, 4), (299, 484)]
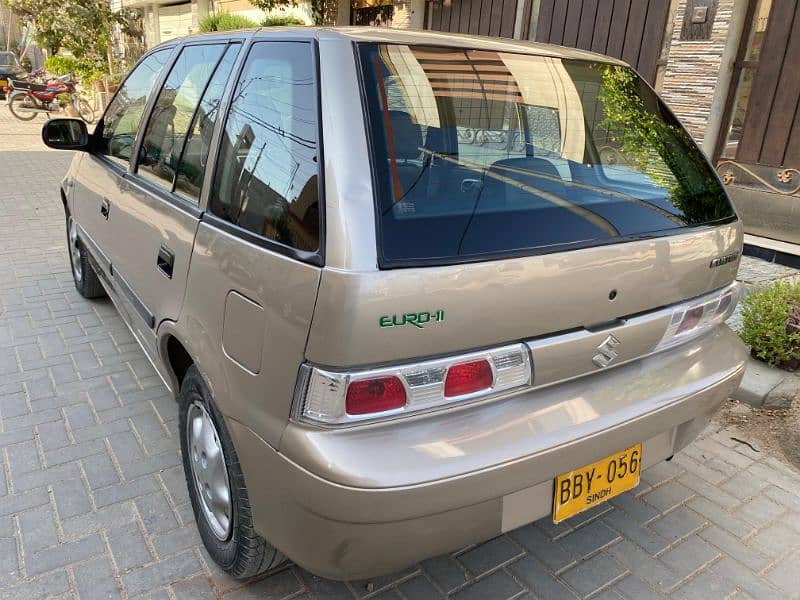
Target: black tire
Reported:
[(86, 280), (244, 553), (24, 115)]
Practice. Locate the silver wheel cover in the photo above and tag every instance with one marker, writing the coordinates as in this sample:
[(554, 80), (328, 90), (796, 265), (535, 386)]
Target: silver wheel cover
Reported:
[(74, 251), (210, 474)]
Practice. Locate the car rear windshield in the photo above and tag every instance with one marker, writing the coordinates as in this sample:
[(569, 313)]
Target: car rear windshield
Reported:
[(480, 154)]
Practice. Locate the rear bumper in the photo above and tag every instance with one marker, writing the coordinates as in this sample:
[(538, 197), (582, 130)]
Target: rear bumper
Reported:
[(366, 501)]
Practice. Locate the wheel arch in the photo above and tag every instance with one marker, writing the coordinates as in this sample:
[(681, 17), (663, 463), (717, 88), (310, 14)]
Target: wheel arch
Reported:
[(176, 358), (177, 354)]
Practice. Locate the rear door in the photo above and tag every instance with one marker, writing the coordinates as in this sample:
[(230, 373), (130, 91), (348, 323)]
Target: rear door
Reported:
[(101, 177), (256, 261), (158, 213)]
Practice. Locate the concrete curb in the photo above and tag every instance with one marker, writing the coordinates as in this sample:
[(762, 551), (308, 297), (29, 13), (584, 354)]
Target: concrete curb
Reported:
[(767, 387)]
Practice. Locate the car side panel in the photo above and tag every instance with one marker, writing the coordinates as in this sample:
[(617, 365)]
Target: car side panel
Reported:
[(228, 274), (144, 222), (95, 181)]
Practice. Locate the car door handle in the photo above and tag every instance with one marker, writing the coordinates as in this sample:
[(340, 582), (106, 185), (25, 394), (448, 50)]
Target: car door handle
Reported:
[(105, 205), (165, 261)]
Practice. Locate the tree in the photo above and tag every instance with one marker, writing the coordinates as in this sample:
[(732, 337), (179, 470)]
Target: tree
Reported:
[(43, 17), (268, 5), (83, 27), (661, 150), (322, 11)]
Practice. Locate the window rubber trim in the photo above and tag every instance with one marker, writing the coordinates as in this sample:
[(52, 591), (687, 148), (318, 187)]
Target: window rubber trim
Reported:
[(246, 235), (155, 190)]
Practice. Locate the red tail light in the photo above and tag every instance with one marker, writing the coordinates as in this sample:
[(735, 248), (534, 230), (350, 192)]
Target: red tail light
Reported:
[(375, 395), (468, 378), (346, 398)]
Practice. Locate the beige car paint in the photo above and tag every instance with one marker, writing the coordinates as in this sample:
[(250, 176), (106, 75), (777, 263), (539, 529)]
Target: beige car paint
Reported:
[(146, 222), (242, 316), (369, 500), (460, 440), (499, 301), (95, 181), (366, 500), (285, 289)]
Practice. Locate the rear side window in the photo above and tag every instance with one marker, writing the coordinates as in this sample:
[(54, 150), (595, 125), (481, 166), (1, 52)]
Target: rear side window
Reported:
[(481, 154), (172, 113), (195, 151), (266, 175), (117, 130)]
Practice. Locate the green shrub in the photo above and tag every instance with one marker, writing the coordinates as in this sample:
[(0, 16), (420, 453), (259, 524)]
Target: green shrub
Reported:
[(223, 21), (85, 70), (281, 21), (765, 319), (61, 65)]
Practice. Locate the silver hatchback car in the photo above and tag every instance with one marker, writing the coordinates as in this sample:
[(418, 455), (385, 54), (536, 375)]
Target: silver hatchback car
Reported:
[(410, 290)]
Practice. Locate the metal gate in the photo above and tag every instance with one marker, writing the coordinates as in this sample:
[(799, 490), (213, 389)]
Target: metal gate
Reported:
[(632, 30), (771, 132), (758, 151)]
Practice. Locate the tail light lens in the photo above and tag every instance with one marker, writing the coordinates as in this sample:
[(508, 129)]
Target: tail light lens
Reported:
[(341, 398), (697, 316), (375, 395), (468, 378)]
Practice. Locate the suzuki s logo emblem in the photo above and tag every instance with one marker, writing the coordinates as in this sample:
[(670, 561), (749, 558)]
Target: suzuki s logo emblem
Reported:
[(606, 352)]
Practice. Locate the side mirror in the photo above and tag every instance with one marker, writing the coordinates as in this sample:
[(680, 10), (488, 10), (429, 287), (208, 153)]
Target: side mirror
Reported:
[(65, 134)]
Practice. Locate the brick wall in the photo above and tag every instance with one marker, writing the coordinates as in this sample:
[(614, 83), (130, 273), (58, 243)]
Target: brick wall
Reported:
[(690, 76)]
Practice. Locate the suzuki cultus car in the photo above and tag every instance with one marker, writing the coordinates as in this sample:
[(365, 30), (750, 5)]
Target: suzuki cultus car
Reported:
[(410, 290)]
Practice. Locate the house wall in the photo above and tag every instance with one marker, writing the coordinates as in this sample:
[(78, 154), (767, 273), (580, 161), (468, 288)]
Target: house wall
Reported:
[(243, 7), (408, 14), (692, 70)]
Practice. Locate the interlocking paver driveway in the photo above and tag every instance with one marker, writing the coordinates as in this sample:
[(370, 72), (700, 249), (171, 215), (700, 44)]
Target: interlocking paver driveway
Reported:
[(93, 501)]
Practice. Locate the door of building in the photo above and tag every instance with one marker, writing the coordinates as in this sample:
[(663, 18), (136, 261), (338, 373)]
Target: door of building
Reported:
[(175, 21), (758, 151)]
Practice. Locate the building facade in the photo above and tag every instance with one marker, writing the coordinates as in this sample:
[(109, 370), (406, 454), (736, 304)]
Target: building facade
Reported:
[(164, 19)]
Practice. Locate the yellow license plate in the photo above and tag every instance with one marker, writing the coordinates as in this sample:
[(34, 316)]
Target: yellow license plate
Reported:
[(3, 82), (583, 488)]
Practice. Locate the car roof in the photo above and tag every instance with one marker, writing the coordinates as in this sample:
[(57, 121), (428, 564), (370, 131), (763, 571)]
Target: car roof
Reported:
[(409, 37)]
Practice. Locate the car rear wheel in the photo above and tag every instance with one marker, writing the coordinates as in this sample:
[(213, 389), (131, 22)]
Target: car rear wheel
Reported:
[(83, 274), (18, 107), (216, 486)]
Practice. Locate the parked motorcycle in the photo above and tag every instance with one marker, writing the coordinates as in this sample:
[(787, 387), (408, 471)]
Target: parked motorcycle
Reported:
[(26, 98)]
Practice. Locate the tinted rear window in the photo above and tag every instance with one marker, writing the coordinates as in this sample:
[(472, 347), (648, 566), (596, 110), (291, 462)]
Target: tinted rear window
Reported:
[(481, 154)]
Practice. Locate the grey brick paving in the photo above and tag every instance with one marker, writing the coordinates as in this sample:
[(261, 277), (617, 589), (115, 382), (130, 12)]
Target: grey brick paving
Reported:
[(93, 501)]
